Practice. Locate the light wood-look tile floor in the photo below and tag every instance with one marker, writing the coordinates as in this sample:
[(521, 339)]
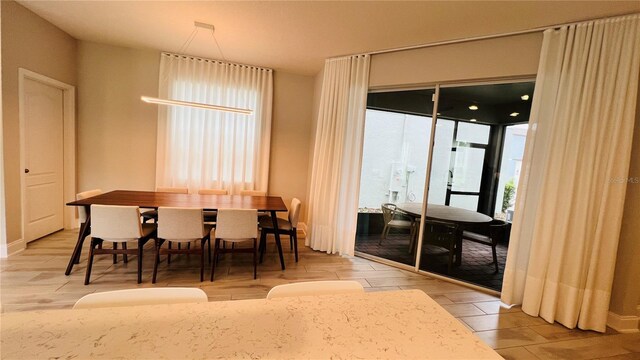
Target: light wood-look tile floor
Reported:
[(34, 279)]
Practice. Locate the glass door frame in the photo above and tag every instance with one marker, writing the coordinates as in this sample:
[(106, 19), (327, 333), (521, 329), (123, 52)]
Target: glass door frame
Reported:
[(434, 119), (434, 99)]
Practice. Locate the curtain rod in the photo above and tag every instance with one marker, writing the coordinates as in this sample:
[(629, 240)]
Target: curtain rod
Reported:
[(171, 54), (482, 37)]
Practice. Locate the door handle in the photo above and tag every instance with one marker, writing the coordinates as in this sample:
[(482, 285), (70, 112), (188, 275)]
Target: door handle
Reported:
[(26, 171)]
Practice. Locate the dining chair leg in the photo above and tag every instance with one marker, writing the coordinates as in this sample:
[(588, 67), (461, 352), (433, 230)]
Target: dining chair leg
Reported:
[(115, 256), (295, 242), (209, 248), (263, 244), (385, 233), (255, 258), (202, 243), (215, 258), (125, 258), (169, 254), (495, 257), (156, 260), (87, 276), (140, 245)]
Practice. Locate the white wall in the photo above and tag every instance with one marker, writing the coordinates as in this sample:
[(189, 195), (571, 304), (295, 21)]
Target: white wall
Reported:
[(116, 131), (513, 56), (291, 137), (30, 42)]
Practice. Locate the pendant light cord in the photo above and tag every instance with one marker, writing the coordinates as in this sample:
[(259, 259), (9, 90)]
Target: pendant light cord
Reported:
[(213, 34), (187, 42)]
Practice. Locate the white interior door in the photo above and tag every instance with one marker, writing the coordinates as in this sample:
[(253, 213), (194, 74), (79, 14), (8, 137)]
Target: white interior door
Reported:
[(43, 202)]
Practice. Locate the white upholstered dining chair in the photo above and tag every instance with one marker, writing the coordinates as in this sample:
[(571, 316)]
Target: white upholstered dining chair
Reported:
[(181, 225), (172, 190), (236, 225), (253, 193), (117, 224), (82, 214), (311, 288), (134, 297), (286, 227), (213, 192)]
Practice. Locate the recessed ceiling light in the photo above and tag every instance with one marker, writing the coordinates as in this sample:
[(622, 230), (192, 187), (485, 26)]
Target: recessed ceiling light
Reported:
[(524, 97), (473, 120), (514, 114), (473, 107)]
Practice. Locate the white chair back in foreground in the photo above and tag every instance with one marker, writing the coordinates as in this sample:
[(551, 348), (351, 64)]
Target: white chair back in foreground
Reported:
[(311, 288), (133, 297)]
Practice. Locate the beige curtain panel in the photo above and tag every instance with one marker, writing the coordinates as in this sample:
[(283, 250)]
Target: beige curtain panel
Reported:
[(337, 156), (563, 245)]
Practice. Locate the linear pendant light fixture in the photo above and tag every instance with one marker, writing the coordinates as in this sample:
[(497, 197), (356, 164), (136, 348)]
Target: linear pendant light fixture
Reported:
[(154, 100)]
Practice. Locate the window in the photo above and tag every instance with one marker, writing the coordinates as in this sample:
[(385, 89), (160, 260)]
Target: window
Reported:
[(200, 148)]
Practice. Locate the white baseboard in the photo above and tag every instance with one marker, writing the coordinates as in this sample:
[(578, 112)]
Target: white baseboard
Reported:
[(15, 247), (302, 230), (623, 323)]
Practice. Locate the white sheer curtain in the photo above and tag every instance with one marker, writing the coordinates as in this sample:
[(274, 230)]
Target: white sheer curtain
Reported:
[(199, 148), (563, 244), (335, 177)]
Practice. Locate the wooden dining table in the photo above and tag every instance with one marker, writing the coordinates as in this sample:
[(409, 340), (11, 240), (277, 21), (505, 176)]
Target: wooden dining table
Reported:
[(154, 200), (462, 217)]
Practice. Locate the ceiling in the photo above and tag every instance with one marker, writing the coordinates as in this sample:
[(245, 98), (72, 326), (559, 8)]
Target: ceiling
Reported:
[(495, 102), (296, 36)]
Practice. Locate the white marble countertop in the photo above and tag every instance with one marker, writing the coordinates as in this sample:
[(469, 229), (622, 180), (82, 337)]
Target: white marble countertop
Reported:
[(393, 325)]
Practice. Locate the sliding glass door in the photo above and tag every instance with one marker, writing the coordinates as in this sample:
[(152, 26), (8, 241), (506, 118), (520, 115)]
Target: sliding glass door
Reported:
[(394, 168), (471, 150)]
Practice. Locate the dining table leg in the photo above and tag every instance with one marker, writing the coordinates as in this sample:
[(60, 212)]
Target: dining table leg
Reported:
[(82, 234), (276, 233)]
